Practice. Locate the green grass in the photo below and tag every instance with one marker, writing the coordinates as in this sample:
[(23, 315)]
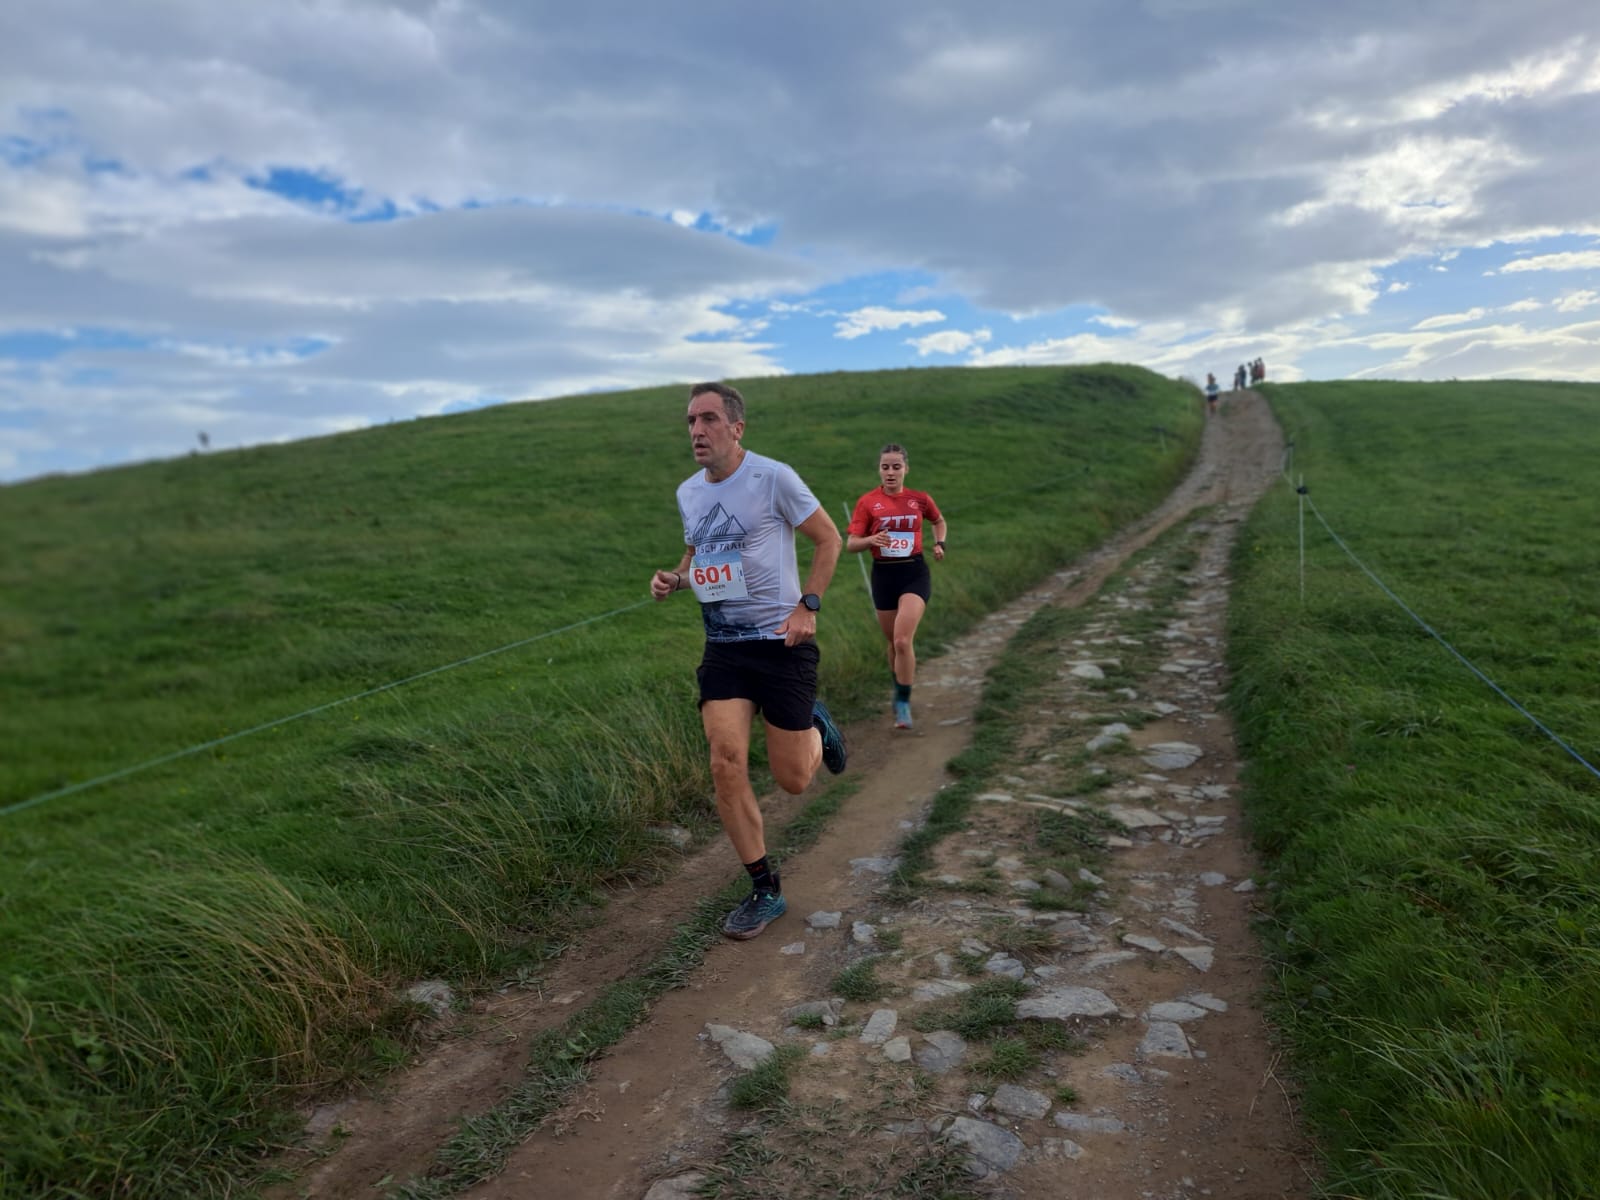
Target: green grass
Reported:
[(1436, 915), (766, 1084), (456, 826), (859, 981)]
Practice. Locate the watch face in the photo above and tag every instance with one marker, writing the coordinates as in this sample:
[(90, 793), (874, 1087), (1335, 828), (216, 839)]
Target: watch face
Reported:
[(812, 602)]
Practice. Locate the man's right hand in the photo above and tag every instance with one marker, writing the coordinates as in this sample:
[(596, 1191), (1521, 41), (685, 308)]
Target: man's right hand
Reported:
[(663, 584)]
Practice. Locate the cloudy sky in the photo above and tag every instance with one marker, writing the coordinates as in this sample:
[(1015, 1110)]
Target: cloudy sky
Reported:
[(270, 219)]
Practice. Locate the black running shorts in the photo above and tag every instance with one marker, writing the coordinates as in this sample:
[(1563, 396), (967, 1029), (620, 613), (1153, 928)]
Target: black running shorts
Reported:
[(782, 680), (894, 577)]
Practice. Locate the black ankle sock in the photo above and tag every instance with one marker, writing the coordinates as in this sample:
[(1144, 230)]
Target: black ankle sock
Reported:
[(762, 876), (902, 691)]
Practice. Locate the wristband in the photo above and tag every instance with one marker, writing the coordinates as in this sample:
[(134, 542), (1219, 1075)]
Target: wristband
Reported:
[(940, 543)]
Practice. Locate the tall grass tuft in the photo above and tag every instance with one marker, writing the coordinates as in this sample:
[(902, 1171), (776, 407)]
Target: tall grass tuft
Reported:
[(206, 984)]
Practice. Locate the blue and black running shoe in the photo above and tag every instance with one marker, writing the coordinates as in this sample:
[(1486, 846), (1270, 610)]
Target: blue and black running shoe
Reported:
[(757, 911), (834, 752)]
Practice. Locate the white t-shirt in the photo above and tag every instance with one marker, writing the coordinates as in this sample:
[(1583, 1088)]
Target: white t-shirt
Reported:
[(742, 534)]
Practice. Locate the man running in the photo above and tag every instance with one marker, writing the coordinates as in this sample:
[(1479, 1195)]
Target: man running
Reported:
[(740, 513)]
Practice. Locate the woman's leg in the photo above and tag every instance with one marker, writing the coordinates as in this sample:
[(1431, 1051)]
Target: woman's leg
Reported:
[(902, 640), (886, 620)]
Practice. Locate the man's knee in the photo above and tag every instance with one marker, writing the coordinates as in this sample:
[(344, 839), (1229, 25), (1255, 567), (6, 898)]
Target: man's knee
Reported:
[(795, 763)]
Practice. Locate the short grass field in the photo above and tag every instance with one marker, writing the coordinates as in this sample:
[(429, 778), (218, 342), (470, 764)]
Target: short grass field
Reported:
[(1436, 918), (188, 950)]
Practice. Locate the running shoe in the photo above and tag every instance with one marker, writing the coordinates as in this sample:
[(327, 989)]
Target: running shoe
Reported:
[(902, 714), (834, 752), (755, 912)]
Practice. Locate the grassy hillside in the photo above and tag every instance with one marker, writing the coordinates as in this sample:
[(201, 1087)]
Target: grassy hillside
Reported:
[(1437, 916), (188, 948)]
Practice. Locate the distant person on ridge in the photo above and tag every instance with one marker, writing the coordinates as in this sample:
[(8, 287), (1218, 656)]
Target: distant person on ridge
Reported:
[(1211, 392), (889, 521), (740, 513)]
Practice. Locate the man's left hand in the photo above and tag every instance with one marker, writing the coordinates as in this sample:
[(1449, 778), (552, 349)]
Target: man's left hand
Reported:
[(800, 627)]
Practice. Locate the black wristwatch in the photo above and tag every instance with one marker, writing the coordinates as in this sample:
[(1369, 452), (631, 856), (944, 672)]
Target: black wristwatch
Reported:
[(812, 601)]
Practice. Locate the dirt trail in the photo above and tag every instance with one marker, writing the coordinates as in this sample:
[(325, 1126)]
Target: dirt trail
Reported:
[(1175, 1101)]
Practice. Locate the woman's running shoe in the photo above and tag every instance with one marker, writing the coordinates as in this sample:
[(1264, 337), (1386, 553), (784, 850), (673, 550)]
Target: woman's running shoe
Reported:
[(902, 714)]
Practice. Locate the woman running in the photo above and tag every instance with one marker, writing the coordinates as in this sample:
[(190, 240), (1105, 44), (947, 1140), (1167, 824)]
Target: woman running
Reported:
[(889, 521)]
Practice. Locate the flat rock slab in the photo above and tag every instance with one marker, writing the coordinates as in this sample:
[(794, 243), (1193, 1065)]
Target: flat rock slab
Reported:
[(991, 1145), (1175, 1010), (1144, 943), (1198, 957), (744, 1050), (1165, 1039), (824, 920), (897, 1050), (1080, 1123), (1061, 1004), (1017, 1101), (1172, 756), (1136, 818), (941, 1051), (1206, 1000), (880, 1027)]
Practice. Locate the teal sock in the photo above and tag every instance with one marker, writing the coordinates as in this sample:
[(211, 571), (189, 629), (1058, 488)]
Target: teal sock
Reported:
[(902, 691)]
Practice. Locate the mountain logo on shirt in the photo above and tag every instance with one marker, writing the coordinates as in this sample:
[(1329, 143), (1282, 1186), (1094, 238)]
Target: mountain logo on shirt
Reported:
[(718, 525)]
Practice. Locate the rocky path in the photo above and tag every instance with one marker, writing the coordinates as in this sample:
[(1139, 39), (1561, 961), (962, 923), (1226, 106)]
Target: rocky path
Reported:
[(1069, 1004)]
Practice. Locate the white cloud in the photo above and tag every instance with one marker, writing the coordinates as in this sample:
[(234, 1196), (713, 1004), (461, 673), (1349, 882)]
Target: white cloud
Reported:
[(1444, 320), (1113, 322), (1521, 306), (1577, 301), (1396, 287), (875, 320), (949, 341), (1572, 260)]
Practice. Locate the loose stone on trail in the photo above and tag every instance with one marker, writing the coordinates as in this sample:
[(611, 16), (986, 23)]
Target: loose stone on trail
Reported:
[(1017, 1101), (824, 920), (744, 1050), (1198, 957), (1173, 756), (941, 1051), (1135, 818), (991, 1146), (1079, 1123), (1165, 1039), (880, 1027), (1144, 943), (1062, 1004), (1175, 1010)]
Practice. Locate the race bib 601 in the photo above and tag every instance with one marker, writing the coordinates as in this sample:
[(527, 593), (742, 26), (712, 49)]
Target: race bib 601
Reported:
[(717, 577)]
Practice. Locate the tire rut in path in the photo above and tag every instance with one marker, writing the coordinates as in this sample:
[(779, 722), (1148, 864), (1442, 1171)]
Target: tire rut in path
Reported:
[(651, 1109)]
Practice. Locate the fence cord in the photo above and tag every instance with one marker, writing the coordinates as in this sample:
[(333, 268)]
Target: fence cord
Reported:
[(86, 784), (1466, 662)]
